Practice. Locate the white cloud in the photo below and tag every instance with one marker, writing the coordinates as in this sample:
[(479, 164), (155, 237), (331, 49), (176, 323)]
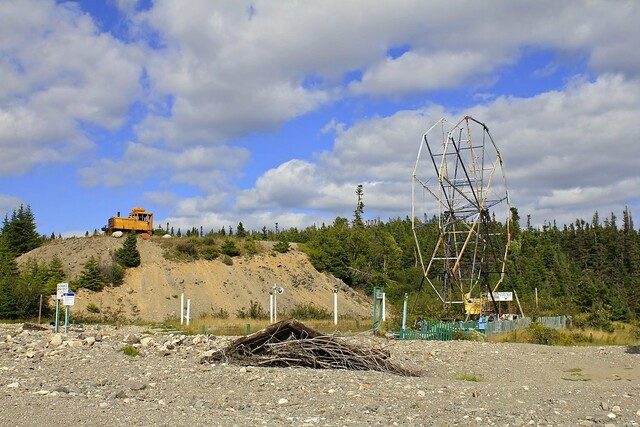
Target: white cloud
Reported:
[(567, 153), (8, 204), (58, 72), (204, 167)]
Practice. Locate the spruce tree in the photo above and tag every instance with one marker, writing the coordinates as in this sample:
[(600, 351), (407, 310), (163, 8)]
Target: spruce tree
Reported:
[(90, 277), (55, 275), (8, 281), (240, 231), (128, 255), (20, 231)]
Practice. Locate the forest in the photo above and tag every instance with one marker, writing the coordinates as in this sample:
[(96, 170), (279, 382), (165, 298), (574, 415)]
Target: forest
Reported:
[(586, 268)]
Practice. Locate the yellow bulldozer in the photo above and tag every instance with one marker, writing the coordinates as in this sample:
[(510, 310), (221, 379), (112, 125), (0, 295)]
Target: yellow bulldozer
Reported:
[(139, 221)]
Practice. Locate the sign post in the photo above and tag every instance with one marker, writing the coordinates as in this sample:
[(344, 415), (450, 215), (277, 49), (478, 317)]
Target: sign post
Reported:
[(335, 305), (68, 299), (61, 289)]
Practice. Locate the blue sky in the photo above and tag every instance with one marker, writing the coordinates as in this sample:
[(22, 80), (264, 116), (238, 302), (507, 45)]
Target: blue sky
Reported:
[(264, 112)]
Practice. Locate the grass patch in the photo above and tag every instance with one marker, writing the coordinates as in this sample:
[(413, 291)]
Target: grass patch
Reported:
[(469, 377), (130, 350), (623, 334)]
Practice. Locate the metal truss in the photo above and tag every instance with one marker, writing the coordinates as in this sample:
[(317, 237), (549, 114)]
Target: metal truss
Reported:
[(459, 175)]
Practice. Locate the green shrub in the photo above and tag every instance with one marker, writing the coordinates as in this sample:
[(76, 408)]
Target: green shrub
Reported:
[(282, 247), (226, 259), (600, 318), (255, 311), (209, 253), (250, 247), (540, 334), (309, 311), (130, 350), (92, 308), (229, 248), (187, 248)]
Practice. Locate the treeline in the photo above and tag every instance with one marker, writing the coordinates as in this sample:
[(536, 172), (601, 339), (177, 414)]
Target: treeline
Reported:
[(20, 289), (583, 267)]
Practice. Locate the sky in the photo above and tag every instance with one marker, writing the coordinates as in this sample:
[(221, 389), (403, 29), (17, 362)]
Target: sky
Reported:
[(213, 112)]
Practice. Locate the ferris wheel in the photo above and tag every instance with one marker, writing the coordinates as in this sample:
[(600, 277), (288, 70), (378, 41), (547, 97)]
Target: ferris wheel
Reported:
[(459, 182)]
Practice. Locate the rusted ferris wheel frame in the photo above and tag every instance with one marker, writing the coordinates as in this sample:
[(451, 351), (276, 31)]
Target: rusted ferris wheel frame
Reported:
[(466, 168)]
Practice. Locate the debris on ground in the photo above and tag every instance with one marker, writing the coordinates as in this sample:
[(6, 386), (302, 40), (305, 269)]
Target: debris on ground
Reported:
[(291, 343)]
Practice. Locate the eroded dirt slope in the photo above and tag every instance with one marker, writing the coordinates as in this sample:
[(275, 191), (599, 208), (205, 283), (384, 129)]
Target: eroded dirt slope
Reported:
[(152, 291)]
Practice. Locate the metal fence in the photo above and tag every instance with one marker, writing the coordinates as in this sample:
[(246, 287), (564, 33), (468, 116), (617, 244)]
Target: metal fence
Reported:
[(445, 331)]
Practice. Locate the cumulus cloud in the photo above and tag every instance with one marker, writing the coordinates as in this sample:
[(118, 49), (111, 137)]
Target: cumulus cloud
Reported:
[(8, 204), (203, 167), (58, 73), (566, 152)]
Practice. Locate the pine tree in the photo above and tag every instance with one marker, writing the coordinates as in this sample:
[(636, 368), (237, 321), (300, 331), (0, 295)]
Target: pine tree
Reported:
[(20, 231), (8, 281), (55, 275), (128, 255), (240, 231), (179, 233), (357, 214), (90, 277)]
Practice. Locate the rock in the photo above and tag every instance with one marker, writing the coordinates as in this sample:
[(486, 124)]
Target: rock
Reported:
[(611, 415), (98, 337), (121, 394), (147, 342), (103, 405), (616, 409), (243, 369), (30, 354), (421, 393), (131, 339), (89, 341), (61, 389), (604, 406), (56, 340), (135, 385), (282, 401), (13, 385)]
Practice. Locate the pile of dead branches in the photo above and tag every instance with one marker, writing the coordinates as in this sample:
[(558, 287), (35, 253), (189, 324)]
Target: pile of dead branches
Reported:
[(291, 343)]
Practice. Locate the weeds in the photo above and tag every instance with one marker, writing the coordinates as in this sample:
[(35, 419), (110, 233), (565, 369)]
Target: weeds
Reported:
[(469, 377), (309, 311), (130, 350), (254, 311)]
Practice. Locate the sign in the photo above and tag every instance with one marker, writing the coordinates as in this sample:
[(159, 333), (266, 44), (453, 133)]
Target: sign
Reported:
[(62, 289), (69, 298), (501, 296)]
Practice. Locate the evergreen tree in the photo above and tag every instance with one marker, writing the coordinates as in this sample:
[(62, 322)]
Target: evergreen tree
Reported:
[(240, 231), (264, 232), (90, 277), (128, 255), (20, 231), (8, 281), (229, 247), (55, 275), (357, 214), (179, 233), (172, 233)]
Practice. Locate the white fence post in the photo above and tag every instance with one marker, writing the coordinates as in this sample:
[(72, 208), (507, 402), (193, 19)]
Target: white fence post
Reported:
[(188, 310), (182, 308)]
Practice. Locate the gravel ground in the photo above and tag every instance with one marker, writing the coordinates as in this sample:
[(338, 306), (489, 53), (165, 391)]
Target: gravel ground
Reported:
[(84, 378)]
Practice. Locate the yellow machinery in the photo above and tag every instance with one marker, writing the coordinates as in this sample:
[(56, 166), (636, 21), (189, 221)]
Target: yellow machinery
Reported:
[(139, 221)]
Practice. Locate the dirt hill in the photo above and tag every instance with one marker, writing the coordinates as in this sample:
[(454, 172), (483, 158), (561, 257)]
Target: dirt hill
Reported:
[(152, 291)]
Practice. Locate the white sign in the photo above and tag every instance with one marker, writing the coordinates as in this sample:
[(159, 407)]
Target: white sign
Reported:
[(62, 289), (69, 298), (501, 296)]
